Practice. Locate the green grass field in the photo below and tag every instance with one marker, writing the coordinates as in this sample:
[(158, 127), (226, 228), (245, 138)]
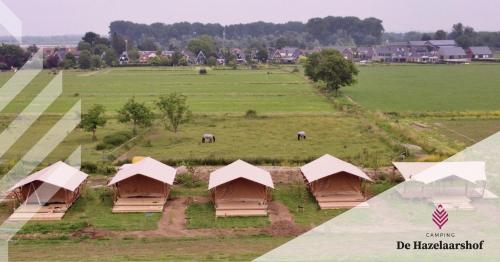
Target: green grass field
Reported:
[(243, 248), (285, 103), (203, 216), (93, 209), (405, 88), (220, 91)]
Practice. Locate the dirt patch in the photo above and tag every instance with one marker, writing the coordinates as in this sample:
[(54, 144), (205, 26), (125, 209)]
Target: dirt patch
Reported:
[(92, 233), (97, 181), (281, 221), (284, 228)]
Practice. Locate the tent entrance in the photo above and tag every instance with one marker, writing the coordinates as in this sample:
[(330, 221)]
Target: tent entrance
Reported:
[(240, 197)]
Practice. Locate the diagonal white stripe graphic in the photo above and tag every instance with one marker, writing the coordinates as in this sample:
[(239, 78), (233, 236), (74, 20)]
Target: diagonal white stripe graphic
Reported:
[(10, 22), (30, 114), (43, 147), (378, 233), (21, 79), (9, 227)]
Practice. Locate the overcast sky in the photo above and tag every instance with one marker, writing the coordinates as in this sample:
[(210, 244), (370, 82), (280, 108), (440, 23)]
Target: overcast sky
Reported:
[(60, 17)]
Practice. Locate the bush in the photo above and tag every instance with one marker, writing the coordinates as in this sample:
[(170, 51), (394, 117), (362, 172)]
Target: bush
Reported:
[(295, 70), (89, 167), (203, 71), (251, 113), (117, 138), (114, 140), (189, 180)]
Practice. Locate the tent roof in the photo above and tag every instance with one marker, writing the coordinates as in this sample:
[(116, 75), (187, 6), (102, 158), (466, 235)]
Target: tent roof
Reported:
[(147, 167), (427, 172), (328, 165), (240, 169), (58, 174)]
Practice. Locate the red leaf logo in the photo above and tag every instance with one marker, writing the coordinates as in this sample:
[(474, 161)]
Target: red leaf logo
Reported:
[(440, 216)]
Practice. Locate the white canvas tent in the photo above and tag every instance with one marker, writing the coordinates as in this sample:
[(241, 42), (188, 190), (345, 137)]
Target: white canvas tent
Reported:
[(143, 186), (48, 193), (452, 184), (334, 183), (240, 189)]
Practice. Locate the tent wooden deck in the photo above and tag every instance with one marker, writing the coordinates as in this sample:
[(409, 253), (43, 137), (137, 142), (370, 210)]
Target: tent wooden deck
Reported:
[(340, 201), (240, 208), (50, 212), (139, 204)]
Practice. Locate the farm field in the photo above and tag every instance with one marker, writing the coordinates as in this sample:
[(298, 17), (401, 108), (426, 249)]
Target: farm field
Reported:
[(219, 92), (420, 88), (285, 103)]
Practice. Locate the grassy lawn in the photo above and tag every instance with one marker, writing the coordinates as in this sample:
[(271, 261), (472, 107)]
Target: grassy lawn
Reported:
[(243, 248), (203, 216), (220, 91), (310, 215), (94, 209), (402, 88), (268, 138)]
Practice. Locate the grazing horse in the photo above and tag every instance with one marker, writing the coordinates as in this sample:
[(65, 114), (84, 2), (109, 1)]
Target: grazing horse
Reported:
[(209, 138), (301, 135)]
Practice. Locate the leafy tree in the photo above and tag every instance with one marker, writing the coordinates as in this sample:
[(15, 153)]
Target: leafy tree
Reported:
[(147, 45), (82, 45), (174, 110), (85, 60), (262, 55), (426, 37), (12, 55), (91, 38), (212, 61), (203, 43), (32, 49), (332, 68), (440, 35), (110, 57), (95, 61), (133, 55), (118, 44), (71, 59), (52, 61), (94, 119), (136, 113)]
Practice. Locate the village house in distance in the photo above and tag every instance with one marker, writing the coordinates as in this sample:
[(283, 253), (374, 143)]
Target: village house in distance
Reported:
[(422, 52)]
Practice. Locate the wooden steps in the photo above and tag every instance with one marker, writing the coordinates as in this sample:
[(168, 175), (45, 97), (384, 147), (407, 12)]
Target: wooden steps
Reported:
[(140, 201), (36, 216), (240, 212), (52, 208), (341, 198), (139, 205), (237, 206), (34, 212), (343, 204)]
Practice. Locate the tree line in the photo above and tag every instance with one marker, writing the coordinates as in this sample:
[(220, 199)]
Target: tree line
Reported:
[(317, 31)]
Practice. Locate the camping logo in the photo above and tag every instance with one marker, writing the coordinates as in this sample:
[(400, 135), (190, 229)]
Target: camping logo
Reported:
[(440, 216)]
